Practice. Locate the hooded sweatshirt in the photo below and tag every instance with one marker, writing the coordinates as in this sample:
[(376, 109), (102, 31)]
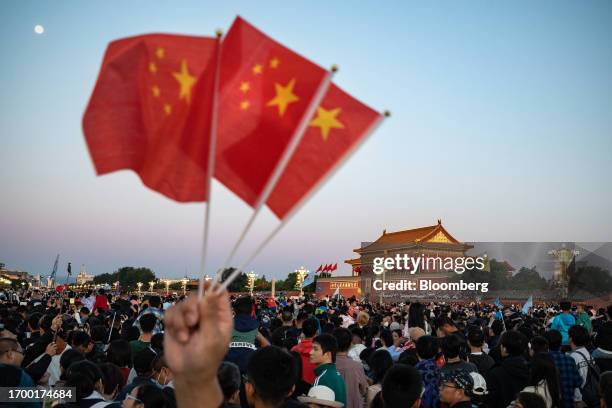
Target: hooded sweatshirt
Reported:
[(506, 380), (242, 344)]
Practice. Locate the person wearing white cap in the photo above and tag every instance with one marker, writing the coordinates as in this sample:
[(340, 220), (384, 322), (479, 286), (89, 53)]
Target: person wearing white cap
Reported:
[(320, 396), (460, 388)]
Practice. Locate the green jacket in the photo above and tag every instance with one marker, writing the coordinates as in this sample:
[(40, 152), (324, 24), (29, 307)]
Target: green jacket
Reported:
[(583, 320), (330, 377)]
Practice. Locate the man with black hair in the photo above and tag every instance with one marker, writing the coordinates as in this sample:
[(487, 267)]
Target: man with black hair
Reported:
[(323, 355), (143, 365), (402, 387), (569, 377), (33, 328), (603, 353), (270, 379), (427, 349), (309, 330), (147, 324), (81, 342), (480, 359), (286, 330), (452, 346), (563, 321), (495, 331), (511, 376), (578, 338), (229, 380), (155, 309), (244, 334), (351, 371)]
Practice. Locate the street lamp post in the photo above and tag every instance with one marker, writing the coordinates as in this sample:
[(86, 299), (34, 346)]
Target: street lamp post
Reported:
[(251, 276), (301, 275), (184, 281)]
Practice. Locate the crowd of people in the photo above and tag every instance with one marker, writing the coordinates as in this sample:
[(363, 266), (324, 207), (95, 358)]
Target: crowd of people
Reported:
[(121, 350)]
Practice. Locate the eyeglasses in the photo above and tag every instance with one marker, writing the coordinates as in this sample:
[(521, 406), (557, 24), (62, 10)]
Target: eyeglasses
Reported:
[(131, 397)]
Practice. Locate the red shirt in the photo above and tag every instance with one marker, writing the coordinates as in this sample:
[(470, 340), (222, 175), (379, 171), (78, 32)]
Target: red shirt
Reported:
[(304, 348), (101, 303)]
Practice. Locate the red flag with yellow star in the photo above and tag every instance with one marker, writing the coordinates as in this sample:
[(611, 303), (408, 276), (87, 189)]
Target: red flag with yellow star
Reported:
[(265, 91), (339, 125), (150, 112)]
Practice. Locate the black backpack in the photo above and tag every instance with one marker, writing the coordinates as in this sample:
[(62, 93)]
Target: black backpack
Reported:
[(590, 391)]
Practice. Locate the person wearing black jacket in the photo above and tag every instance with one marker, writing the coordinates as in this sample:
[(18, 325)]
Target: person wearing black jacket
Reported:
[(508, 378)]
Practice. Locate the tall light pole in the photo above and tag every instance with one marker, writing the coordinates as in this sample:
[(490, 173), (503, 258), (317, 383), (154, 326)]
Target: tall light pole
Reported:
[(251, 276), (184, 281), (301, 275)]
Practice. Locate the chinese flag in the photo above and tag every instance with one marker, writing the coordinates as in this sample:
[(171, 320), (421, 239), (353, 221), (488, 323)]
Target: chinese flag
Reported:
[(339, 125), (150, 112), (320, 268), (265, 90)]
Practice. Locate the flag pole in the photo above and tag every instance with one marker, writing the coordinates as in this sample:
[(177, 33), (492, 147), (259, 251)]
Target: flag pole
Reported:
[(306, 197), (280, 166), (211, 164)]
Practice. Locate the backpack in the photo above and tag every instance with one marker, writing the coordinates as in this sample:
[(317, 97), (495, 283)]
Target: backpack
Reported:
[(590, 391)]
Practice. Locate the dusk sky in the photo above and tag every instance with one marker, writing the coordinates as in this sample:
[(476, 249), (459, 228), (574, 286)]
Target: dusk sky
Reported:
[(501, 127)]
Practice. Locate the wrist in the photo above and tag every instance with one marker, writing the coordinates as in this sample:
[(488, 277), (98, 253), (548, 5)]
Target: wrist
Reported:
[(198, 392)]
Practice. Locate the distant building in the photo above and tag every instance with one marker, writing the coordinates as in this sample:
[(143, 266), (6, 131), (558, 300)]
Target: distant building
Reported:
[(84, 278)]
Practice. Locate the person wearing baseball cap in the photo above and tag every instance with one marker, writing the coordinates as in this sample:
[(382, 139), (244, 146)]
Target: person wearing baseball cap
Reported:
[(462, 389), (320, 396)]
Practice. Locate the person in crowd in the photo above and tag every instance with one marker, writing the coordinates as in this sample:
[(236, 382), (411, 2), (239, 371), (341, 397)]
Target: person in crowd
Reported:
[(401, 387), (583, 318), (320, 396), (544, 380), (538, 344), (452, 346), (143, 366), (270, 378), (304, 347), (528, 400), (86, 378), (119, 353), (379, 362), (229, 379), (147, 324), (459, 387), (323, 355), (476, 356), (569, 377), (155, 308), (244, 334), (603, 353), (605, 390), (112, 381), (147, 396), (101, 303), (11, 354), (563, 321), (351, 371), (357, 345), (512, 375), (427, 349)]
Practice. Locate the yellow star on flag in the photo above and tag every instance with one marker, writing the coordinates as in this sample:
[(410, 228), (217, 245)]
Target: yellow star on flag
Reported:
[(186, 80), (160, 52), (257, 69), (244, 87), (274, 62), (167, 108), (244, 105), (327, 120), (152, 67), (156, 91), (284, 96)]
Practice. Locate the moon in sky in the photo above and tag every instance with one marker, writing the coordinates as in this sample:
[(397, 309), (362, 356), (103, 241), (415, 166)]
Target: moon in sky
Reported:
[(38, 29)]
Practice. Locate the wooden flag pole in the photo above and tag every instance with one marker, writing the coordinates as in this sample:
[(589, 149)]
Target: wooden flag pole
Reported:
[(304, 199), (211, 164), (281, 165)]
